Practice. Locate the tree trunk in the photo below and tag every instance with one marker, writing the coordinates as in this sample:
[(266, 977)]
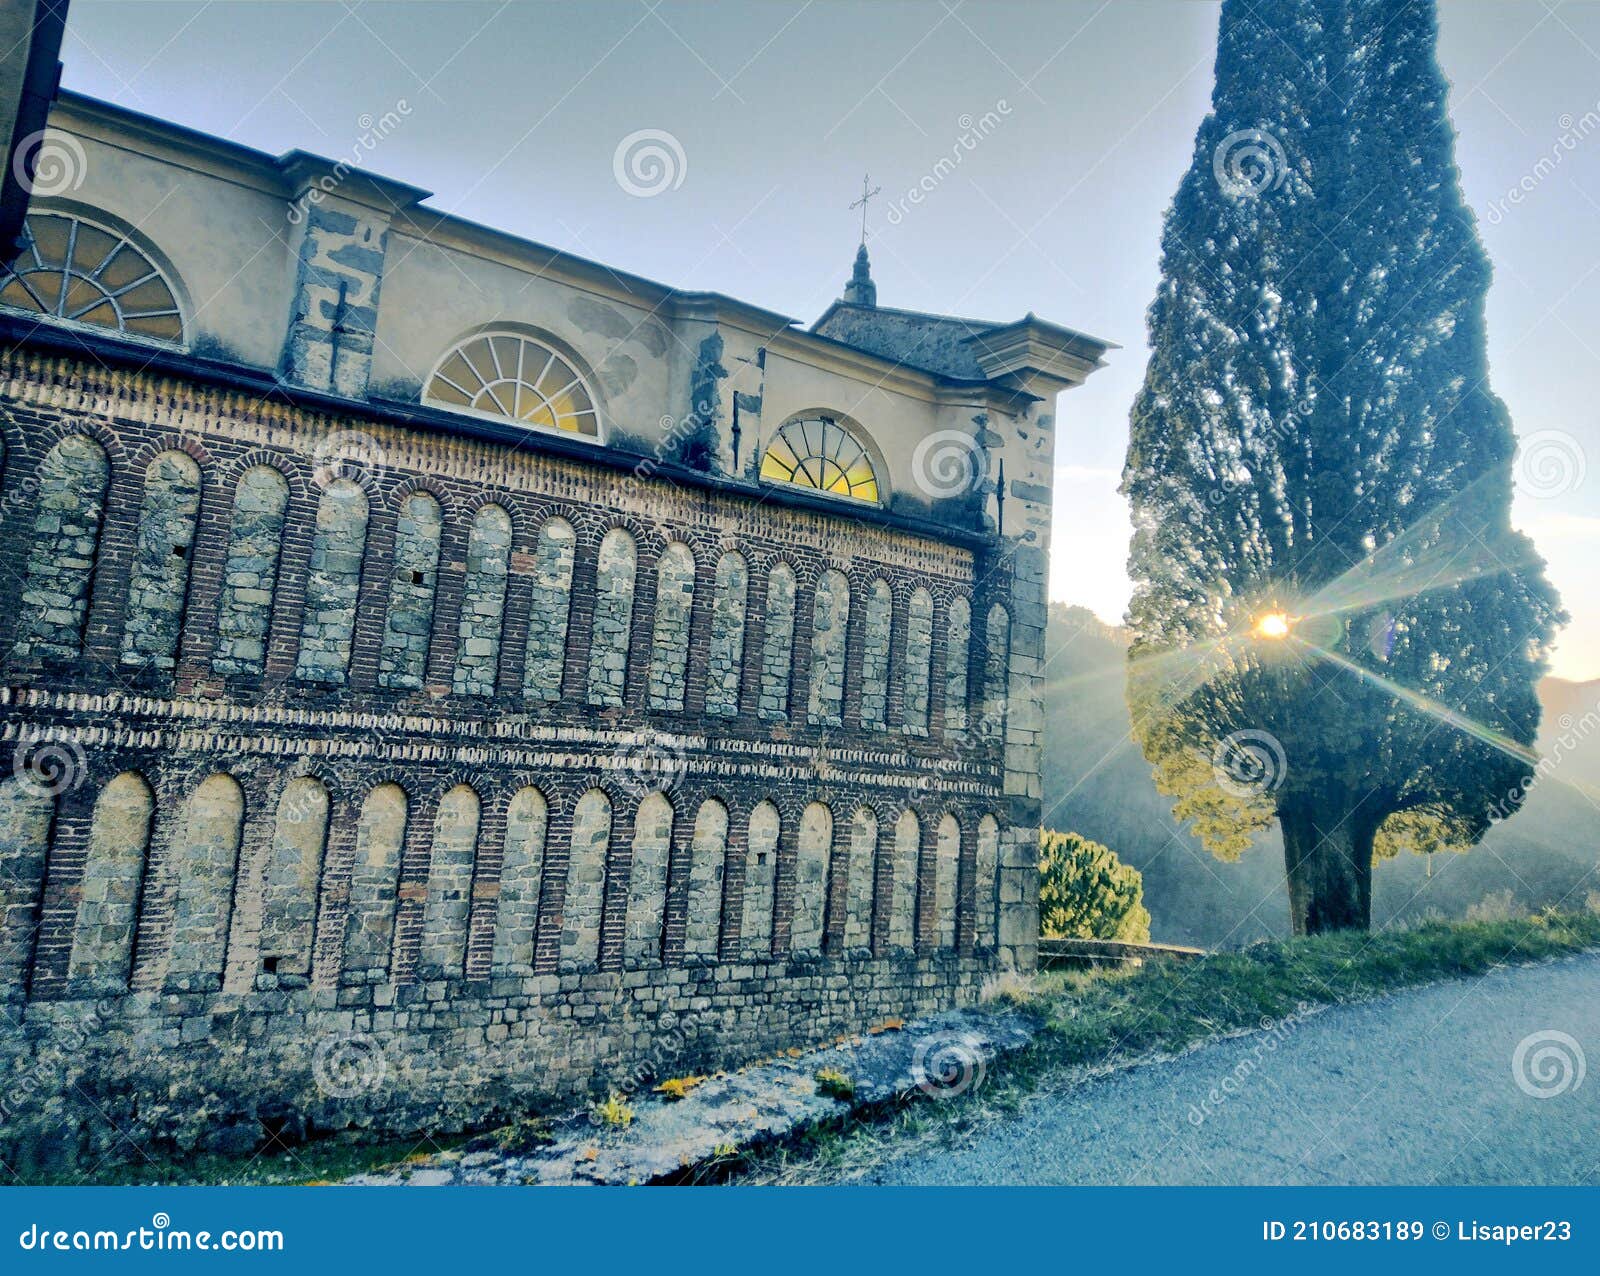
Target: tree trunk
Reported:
[(1327, 850)]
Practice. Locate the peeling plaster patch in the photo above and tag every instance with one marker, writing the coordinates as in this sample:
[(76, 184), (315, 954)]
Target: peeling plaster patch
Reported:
[(617, 373), (608, 321)]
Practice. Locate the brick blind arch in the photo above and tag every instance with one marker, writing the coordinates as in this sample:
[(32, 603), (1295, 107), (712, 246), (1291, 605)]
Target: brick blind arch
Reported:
[(862, 872), (159, 582), (878, 633), (647, 882), (777, 647), (760, 876), (63, 546), (483, 602), (332, 584), (102, 933), (725, 660), (669, 642), (903, 885), (521, 875), (830, 627), (250, 575), (615, 567), (551, 608), (374, 882), (413, 590)]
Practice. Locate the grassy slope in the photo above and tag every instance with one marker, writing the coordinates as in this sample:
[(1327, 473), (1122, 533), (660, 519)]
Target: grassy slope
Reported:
[(1093, 1022), (1090, 1022)]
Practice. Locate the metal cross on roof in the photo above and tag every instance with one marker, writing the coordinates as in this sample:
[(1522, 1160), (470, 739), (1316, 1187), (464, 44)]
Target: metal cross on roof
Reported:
[(862, 203)]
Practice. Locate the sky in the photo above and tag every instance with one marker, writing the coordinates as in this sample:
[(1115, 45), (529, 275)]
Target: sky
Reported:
[(1078, 119)]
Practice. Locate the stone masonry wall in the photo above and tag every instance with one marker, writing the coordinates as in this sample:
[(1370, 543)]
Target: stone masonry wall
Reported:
[(311, 874)]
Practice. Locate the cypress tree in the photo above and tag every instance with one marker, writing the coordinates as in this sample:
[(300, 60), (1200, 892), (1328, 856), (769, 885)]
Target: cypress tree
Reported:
[(1335, 624)]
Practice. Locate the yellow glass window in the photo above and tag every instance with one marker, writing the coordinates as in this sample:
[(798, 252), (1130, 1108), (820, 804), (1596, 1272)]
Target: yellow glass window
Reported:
[(73, 270), (818, 452), (512, 376)]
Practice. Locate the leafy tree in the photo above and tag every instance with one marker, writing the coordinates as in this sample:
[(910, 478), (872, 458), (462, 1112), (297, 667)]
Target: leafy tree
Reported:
[(1316, 441), (1085, 892)]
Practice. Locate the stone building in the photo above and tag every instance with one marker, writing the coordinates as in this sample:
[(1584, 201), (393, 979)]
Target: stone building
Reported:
[(443, 674)]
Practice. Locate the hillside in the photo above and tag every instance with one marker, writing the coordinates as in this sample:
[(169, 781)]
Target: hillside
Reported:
[(1097, 783)]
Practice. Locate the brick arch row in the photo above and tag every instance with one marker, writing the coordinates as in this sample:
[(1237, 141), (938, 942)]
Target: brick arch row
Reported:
[(319, 584), (238, 882)]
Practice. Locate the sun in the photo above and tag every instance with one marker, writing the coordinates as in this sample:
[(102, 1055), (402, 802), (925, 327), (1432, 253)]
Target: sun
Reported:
[(1273, 625)]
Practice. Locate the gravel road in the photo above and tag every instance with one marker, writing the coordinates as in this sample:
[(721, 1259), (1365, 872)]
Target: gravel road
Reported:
[(1418, 1088)]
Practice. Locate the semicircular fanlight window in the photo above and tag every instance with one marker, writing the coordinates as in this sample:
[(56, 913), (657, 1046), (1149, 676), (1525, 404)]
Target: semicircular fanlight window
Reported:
[(77, 272), (817, 452), (508, 375)]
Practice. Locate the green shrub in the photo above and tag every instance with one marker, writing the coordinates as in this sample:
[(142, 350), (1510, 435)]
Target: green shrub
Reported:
[(1086, 892)]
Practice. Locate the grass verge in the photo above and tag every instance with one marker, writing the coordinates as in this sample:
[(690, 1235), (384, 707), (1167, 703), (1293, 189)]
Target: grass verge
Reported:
[(1097, 1021)]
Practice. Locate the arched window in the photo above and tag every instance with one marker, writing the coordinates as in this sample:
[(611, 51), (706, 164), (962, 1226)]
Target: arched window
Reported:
[(985, 888), (830, 626), (483, 602), (809, 925), (669, 642), (26, 810), (919, 655), (108, 906), (903, 889), (996, 674), (374, 879), (444, 916), (760, 873), (333, 583), (958, 642), (251, 574), (408, 624), (71, 269), (507, 375), (858, 887), (552, 603), (878, 632), (289, 886), (613, 618), (205, 857), (586, 882), (521, 871), (647, 885), (777, 649), (725, 664), (160, 578), (946, 879), (62, 549), (817, 452), (706, 855)]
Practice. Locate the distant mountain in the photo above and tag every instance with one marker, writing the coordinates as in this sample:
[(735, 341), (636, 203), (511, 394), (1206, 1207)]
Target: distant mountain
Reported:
[(1096, 782)]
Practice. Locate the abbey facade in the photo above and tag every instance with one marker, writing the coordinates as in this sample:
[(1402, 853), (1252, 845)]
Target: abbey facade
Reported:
[(444, 675)]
